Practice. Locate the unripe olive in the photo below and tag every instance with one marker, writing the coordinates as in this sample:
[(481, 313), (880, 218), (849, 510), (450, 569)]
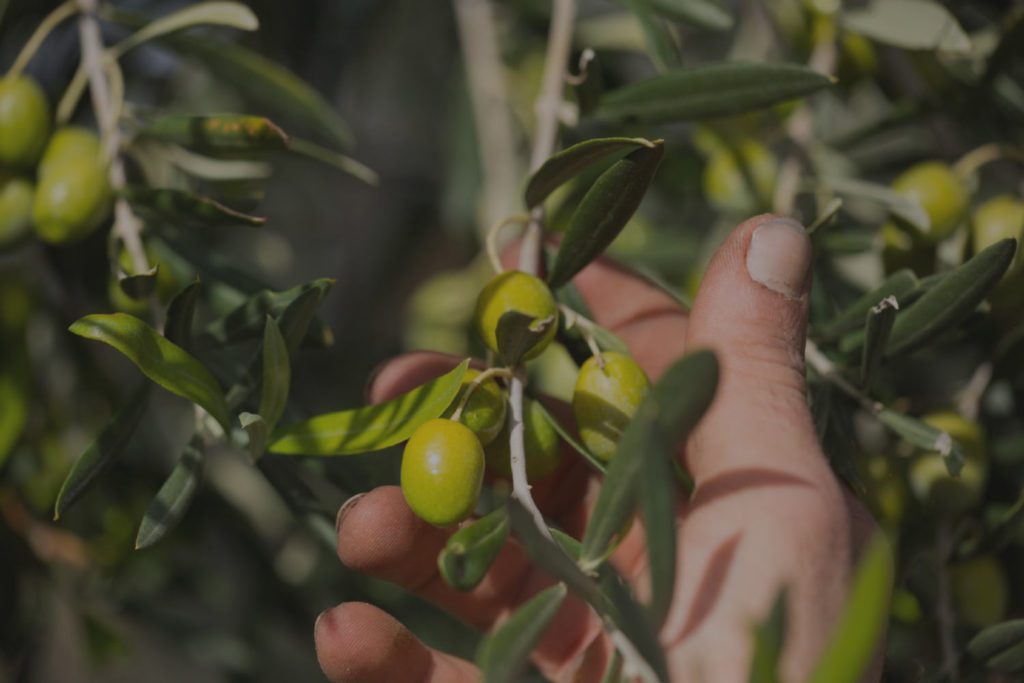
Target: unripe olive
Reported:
[(515, 291), (605, 400), (540, 442), (24, 121), (15, 208), (980, 591), (442, 471), (941, 194), (70, 143), (997, 219), (725, 185), (886, 493), (931, 482), (72, 199), (485, 410)]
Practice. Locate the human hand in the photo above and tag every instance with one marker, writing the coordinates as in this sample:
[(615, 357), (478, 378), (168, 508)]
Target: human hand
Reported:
[(766, 512)]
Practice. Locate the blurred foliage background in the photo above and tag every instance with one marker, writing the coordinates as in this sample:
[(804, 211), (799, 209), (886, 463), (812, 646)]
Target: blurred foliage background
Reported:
[(233, 592)]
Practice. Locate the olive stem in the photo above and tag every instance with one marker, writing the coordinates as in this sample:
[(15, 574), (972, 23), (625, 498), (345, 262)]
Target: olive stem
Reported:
[(51, 21), (586, 326), (491, 239), (944, 603), (487, 374), (967, 165)]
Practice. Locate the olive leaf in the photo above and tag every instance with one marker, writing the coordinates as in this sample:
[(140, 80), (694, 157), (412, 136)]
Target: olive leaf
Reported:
[(902, 207), (161, 360), (373, 427), (139, 285), (518, 333), (876, 334), (709, 91), (180, 206), (180, 313), (503, 655), (897, 285), (277, 374), (925, 436), (1000, 646), (662, 44), (769, 637), (570, 438), (909, 24), (173, 499), (604, 211), (706, 14), (568, 163), (471, 550), (248, 319), (219, 132)]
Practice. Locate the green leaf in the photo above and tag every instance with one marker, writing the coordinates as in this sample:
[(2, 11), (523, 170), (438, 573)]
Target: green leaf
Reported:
[(173, 499), (256, 428), (370, 428), (657, 482), (827, 214), (862, 624), (567, 164), (298, 316), (925, 436), (951, 300), (1000, 646), (604, 211), (899, 285), (223, 133), (180, 313), (179, 205), (503, 655), (908, 24), (665, 417), (247, 321), (706, 14), (342, 162), (277, 374), (162, 361), (518, 333), (471, 550), (101, 453), (876, 335), (769, 637), (570, 438), (662, 45), (901, 206), (140, 285), (268, 84), (709, 91), (233, 14)]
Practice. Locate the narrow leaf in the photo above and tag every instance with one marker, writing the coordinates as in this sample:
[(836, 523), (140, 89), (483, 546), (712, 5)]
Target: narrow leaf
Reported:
[(471, 550), (1000, 646), (657, 482), (897, 285), (233, 14), (706, 14), (342, 162), (173, 499), (179, 205), (909, 24), (101, 453), (876, 335), (604, 211), (827, 214), (298, 316), (709, 91), (662, 46), (162, 361), (503, 655), (862, 624), (140, 285), (567, 164), (277, 374), (372, 427), (247, 321), (256, 428), (925, 436), (769, 637), (901, 206), (571, 439), (518, 333), (219, 133), (180, 313)]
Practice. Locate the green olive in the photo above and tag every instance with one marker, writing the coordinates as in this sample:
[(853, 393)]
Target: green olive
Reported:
[(484, 412), (540, 443), (981, 591), (886, 492), (725, 184), (442, 471), (70, 143), (24, 121), (605, 400), (997, 219), (941, 194), (515, 291), (72, 199), (15, 208), (929, 479)]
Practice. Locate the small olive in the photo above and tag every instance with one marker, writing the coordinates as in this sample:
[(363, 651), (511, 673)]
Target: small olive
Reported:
[(941, 194), (485, 410), (16, 195), (72, 199), (605, 400), (24, 121), (442, 471), (516, 291)]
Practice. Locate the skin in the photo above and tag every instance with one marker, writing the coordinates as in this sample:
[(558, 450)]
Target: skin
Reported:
[(767, 510)]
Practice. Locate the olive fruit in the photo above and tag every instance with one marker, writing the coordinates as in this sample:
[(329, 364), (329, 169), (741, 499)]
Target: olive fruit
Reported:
[(72, 199), (485, 410), (540, 443), (900, 250), (70, 143), (931, 483), (941, 194), (997, 219), (518, 292), (885, 489), (24, 121), (725, 184), (15, 208), (980, 591), (605, 399), (442, 471)]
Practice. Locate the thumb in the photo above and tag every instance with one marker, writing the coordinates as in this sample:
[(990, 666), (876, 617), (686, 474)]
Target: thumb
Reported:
[(751, 309)]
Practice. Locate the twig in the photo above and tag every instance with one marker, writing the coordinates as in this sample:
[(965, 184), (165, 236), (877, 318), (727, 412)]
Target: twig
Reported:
[(50, 22), (487, 374), (944, 604), (491, 238)]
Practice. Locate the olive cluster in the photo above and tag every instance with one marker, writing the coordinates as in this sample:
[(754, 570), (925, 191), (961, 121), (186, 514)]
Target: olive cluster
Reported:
[(54, 181), (444, 461)]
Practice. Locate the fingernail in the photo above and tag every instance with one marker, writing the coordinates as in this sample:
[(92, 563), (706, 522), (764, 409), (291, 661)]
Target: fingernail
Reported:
[(345, 509), (316, 624), (779, 256)]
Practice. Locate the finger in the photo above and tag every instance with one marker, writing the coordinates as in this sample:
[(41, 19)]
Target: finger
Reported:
[(358, 643)]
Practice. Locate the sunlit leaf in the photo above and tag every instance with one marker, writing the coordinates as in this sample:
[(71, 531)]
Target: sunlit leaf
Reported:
[(604, 211), (568, 163), (859, 632), (707, 14), (503, 655), (173, 499), (471, 550), (162, 361), (909, 24), (373, 427), (101, 453), (178, 206), (709, 91)]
